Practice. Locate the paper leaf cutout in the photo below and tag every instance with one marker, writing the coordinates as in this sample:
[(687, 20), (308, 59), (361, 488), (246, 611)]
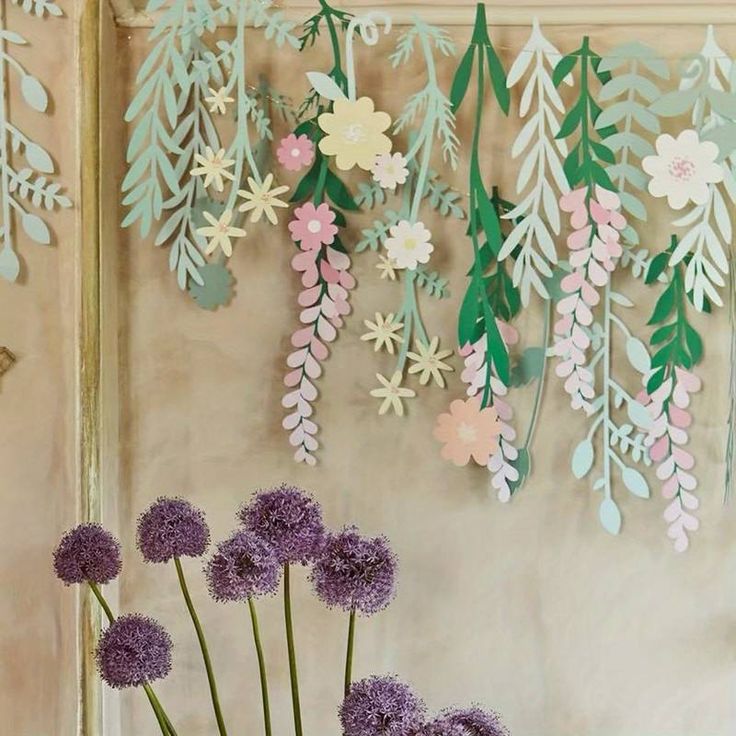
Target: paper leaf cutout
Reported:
[(216, 289), (325, 86), (541, 175), (23, 188)]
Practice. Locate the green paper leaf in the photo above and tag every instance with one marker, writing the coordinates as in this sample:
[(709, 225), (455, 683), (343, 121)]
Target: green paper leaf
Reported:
[(582, 459), (498, 79), (610, 516), (638, 414), (9, 264), (216, 289), (339, 193), (38, 158), (638, 355), (635, 482), (461, 79), (467, 330), (34, 93), (35, 228), (325, 86), (306, 186), (529, 367), (565, 65)]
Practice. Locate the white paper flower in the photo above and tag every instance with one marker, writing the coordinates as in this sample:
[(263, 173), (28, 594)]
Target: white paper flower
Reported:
[(682, 169), (409, 244), (390, 170)]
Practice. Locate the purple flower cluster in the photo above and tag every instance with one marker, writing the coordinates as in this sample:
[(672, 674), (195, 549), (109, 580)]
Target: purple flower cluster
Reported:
[(172, 527), (289, 519), (381, 706), (354, 572), (134, 650), (243, 566), (87, 553), (476, 722)]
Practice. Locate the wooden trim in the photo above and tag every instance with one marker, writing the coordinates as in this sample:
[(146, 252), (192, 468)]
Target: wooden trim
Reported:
[(89, 324), (501, 13)]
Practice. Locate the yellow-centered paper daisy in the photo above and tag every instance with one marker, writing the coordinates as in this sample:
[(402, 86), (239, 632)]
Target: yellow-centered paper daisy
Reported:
[(392, 393), (214, 167), (429, 362), (261, 199), (219, 232), (384, 331)]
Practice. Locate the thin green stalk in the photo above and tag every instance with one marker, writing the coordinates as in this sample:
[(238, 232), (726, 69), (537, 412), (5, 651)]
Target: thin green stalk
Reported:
[(349, 655), (163, 720), (261, 667), (292, 652), (203, 647)]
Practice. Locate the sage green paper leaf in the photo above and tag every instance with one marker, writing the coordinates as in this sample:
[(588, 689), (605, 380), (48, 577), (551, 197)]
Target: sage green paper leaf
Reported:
[(610, 516), (35, 228), (582, 459), (676, 103), (635, 482), (34, 93)]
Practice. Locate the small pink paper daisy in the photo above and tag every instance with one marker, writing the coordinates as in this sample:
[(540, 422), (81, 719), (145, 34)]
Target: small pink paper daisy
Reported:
[(312, 226), (295, 153)]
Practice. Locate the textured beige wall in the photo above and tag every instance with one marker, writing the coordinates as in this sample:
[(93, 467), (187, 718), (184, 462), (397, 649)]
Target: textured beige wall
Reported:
[(529, 608), (38, 690)]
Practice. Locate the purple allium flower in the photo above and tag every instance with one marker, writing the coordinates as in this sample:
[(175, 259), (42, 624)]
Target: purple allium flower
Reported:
[(442, 726), (289, 519), (381, 706), (476, 722), (243, 566), (355, 572), (172, 527), (87, 553), (134, 650)]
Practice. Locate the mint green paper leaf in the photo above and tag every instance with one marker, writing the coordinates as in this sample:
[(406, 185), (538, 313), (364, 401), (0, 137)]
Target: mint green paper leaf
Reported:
[(635, 482), (9, 264), (638, 414), (35, 228), (610, 516), (325, 86), (582, 459), (38, 158), (673, 104), (638, 355), (34, 93)]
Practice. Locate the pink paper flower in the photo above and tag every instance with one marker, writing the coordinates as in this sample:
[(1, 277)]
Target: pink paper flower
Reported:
[(468, 431), (295, 152), (313, 226)]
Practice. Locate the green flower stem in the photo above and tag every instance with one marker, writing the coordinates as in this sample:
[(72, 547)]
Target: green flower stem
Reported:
[(349, 655), (163, 720), (292, 652), (261, 667), (203, 646), (319, 189), (328, 12)]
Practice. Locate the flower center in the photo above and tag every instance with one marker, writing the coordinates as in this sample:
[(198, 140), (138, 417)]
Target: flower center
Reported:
[(295, 152), (410, 244), (354, 133), (314, 226), (467, 433), (221, 227), (681, 168)]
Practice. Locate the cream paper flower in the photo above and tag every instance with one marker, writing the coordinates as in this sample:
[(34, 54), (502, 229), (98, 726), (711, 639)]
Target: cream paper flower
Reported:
[(429, 362), (389, 170), (683, 168), (387, 268), (392, 394), (261, 199), (355, 133), (384, 332), (218, 100), (214, 167), (408, 245), (220, 231)]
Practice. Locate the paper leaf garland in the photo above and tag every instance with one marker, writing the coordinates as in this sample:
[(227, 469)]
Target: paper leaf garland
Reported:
[(25, 165), (540, 175)]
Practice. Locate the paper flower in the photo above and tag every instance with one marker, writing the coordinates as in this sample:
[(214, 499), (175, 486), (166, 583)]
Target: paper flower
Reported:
[(214, 167), (408, 245), (243, 566), (288, 519), (133, 651), (387, 268), (261, 199), (468, 431), (218, 100), (355, 572), (219, 232), (381, 706), (87, 553), (295, 152), (355, 133), (474, 722), (313, 226), (390, 169), (682, 169), (429, 362), (384, 331), (392, 393), (172, 527)]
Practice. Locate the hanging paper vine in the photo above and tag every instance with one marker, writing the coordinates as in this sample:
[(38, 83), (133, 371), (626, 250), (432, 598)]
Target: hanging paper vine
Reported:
[(176, 157), (541, 174), (24, 178), (677, 348)]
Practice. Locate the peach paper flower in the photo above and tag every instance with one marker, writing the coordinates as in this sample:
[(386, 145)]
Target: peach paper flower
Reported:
[(468, 431)]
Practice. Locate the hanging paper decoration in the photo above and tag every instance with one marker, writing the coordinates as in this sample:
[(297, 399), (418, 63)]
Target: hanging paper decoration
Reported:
[(180, 170), (25, 165)]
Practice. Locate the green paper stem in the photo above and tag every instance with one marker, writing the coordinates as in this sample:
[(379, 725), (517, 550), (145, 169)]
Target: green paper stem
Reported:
[(261, 666), (203, 647), (349, 653), (293, 675)]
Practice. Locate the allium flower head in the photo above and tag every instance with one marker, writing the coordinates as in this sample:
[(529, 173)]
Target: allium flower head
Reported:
[(134, 650), (87, 553), (355, 572), (289, 519), (381, 706), (475, 722), (172, 527), (442, 726), (243, 566)]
